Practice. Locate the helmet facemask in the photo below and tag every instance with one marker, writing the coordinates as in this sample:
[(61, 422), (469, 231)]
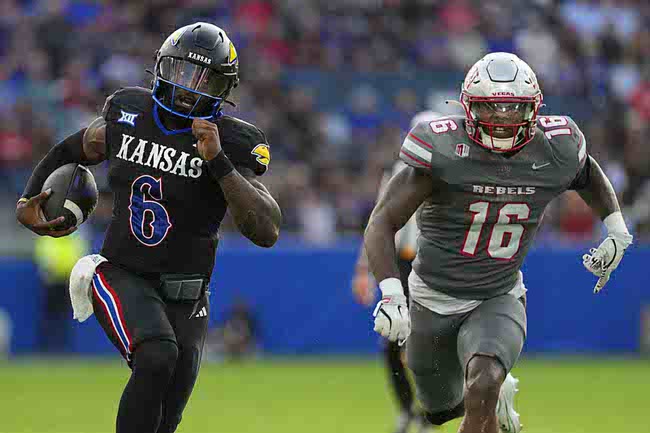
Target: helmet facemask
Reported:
[(501, 124), (190, 90)]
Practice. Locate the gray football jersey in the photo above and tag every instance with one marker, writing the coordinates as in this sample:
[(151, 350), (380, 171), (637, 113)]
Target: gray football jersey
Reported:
[(480, 221)]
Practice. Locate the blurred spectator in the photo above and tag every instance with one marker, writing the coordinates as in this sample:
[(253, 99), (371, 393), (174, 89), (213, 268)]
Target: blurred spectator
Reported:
[(237, 338), (240, 332), (640, 98), (15, 147), (316, 218), (576, 220), (55, 258), (535, 44)]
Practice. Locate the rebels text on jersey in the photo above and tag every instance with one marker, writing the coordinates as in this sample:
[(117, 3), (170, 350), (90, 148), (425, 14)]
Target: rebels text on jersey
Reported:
[(167, 209), (486, 207)]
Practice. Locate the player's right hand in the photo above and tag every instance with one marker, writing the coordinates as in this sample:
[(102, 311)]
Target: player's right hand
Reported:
[(391, 314), (209, 144), (30, 214)]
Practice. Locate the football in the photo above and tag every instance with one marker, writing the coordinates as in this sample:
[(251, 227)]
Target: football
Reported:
[(74, 195)]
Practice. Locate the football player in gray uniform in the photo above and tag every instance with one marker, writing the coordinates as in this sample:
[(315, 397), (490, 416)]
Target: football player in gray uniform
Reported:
[(481, 182)]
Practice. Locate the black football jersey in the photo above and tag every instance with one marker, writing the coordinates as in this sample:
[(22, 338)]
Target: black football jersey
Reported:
[(167, 209)]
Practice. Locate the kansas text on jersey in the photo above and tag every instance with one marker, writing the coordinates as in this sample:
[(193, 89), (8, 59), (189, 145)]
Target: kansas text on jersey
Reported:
[(167, 209)]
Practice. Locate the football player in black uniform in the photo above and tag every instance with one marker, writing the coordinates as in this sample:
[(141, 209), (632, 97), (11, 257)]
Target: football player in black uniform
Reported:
[(176, 163)]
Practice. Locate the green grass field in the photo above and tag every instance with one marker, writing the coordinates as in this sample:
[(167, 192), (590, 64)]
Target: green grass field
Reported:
[(337, 396)]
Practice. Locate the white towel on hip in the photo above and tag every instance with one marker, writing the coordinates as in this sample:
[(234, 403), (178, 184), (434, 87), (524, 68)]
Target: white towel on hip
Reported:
[(81, 279)]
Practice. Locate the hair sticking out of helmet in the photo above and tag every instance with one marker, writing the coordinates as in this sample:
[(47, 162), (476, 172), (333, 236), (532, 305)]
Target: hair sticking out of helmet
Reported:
[(196, 69), (501, 98)]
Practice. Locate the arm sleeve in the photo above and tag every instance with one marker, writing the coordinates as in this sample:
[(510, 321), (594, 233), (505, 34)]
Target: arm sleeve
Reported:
[(68, 151)]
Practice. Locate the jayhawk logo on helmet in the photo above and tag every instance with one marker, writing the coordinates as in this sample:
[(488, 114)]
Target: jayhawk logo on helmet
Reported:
[(263, 154), (176, 36), (232, 57)]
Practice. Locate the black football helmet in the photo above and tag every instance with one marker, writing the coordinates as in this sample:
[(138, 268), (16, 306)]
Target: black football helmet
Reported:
[(196, 69)]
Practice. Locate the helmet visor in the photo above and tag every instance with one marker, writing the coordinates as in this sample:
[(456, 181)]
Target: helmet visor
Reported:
[(194, 77)]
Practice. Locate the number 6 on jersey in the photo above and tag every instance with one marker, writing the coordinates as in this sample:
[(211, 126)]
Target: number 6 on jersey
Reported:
[(146, 192)]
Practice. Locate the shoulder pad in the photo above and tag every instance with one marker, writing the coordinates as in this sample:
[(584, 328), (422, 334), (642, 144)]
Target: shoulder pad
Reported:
[(565, 137), (425, 140), (244, 144), (132, 100)]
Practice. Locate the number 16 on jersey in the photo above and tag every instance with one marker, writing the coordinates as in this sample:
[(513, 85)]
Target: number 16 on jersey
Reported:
[(506, 233)]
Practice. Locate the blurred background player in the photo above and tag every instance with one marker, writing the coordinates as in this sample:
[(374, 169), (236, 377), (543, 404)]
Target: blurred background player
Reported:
[(149, 285), (498, 166), (363, 287)]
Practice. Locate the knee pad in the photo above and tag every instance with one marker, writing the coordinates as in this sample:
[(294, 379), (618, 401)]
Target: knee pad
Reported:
[(156, 356), (439, 418)]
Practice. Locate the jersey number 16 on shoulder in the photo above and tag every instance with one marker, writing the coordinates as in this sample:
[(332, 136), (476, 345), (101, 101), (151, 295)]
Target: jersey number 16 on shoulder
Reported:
[(553, 126)]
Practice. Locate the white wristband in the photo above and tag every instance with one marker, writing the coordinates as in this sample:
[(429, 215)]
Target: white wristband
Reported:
[(615, 223), (391, 286)]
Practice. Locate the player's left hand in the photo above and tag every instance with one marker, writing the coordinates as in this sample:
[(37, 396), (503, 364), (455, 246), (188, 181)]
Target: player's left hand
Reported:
[(603, 260), (207, 134)]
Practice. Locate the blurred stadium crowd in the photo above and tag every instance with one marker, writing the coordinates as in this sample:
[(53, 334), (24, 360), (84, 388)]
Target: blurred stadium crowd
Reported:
[(334, 84)]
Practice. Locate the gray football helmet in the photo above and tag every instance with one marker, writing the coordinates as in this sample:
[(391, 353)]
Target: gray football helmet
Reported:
[(501, 98)]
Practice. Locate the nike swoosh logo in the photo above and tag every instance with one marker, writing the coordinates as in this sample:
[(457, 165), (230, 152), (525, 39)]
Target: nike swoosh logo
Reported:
[(537, 167)]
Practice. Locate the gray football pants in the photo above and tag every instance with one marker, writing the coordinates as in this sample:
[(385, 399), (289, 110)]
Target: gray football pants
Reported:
[(440, 347)]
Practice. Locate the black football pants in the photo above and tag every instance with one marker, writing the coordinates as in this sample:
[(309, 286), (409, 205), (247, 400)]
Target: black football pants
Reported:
[(161, 341)]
